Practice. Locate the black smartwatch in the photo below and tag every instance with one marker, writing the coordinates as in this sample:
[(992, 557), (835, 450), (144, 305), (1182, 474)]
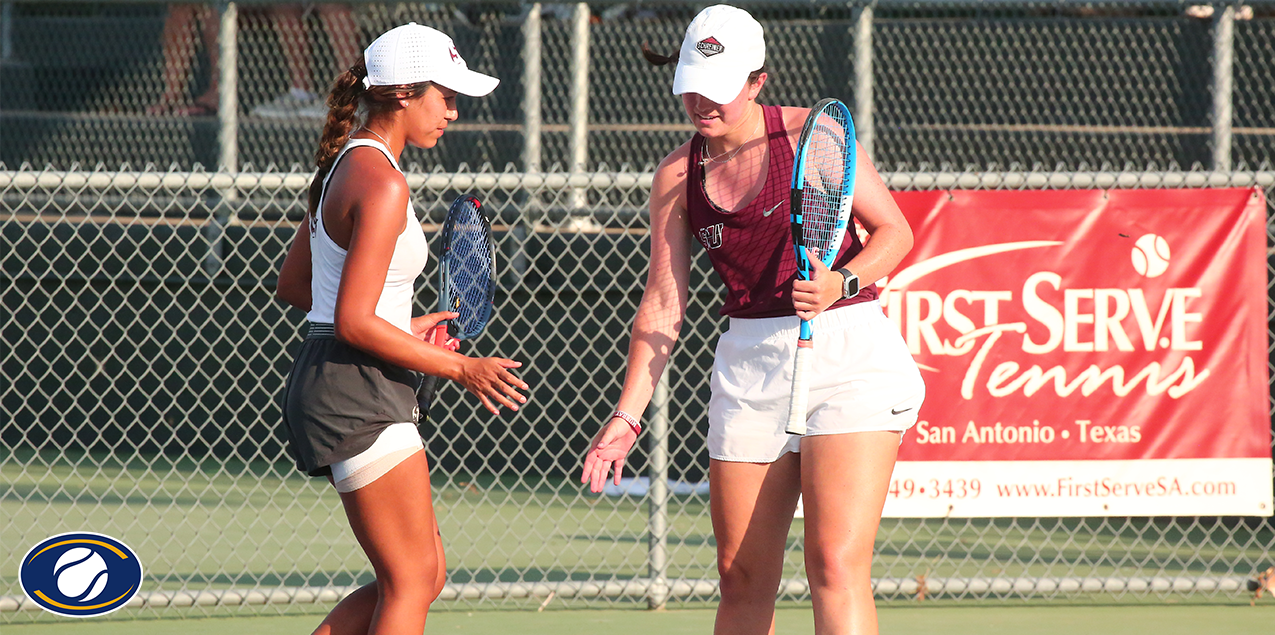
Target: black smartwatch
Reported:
[(849, 284)]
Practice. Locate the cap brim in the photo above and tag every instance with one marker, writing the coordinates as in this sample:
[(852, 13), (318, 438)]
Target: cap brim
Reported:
[(719, 85), (467, 82)]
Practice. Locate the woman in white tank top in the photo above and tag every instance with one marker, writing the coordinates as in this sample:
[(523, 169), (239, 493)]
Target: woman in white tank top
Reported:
[(350, 399)]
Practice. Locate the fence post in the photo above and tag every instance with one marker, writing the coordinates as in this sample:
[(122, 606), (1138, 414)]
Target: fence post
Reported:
[(531, 59), (532, 56), (579, 98), (1223, 63), (227, 134), (863, 111), (658, 494), (228, 89)]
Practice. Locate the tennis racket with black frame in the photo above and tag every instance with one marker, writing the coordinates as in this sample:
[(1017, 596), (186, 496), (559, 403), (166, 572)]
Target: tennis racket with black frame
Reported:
[(822, 194), (466, 278)]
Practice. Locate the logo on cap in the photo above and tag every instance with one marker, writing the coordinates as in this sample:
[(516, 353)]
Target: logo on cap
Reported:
[(455, 55), (709, 46)]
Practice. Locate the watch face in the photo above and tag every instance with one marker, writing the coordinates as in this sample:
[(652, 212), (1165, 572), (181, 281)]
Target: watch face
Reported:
[(850, 287)]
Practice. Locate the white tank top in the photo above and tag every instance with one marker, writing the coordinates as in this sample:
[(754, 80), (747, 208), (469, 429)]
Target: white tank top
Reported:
[(327, 259)]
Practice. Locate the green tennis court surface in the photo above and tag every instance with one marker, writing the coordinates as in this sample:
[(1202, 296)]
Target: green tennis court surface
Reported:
[(215, 526), (1019, 620)]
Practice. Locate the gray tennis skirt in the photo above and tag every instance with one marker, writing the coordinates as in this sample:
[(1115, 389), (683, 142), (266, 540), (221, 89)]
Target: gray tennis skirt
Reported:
[(338, 399)]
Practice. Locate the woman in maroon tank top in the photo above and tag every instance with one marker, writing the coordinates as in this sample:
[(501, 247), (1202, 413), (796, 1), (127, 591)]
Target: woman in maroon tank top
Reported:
[(727, 189)]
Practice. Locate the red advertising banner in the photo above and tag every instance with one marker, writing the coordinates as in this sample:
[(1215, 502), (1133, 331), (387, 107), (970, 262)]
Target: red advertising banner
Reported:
[(1085, 352)]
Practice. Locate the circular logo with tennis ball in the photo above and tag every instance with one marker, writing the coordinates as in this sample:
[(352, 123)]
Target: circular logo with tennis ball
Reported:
[(80, 574), (1150, 255)]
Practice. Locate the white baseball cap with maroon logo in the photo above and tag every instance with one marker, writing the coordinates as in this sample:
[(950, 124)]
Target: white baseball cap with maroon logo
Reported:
[(722, 47), (412, 53)]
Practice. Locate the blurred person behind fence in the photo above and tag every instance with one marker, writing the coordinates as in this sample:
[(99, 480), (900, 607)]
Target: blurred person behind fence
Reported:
[(187, 26), (301, 100)]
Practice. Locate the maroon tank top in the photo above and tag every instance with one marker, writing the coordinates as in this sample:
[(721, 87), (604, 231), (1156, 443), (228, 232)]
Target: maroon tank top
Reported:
[(751, 249)]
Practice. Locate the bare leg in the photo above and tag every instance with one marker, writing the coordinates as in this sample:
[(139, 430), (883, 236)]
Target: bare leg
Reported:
[(338, 23), (393, 519), (179, 54), (295, 44), (353, 615), (211, 32), (845, 478), (752, 507)]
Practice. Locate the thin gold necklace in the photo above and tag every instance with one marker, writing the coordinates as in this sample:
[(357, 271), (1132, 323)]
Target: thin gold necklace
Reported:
[(705, 160)]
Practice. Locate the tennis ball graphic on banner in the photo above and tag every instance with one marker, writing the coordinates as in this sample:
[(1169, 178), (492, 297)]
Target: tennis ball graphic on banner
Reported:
[(81, 574), (1150, 255)]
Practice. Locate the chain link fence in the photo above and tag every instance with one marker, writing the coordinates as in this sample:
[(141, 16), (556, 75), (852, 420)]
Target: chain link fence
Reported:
[(143, 352)]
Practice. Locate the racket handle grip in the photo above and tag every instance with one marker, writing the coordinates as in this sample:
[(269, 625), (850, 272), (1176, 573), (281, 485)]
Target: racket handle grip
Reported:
[(439, 337), (800, 389)]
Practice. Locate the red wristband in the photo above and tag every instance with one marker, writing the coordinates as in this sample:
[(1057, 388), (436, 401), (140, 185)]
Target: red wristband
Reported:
[(629, 419)]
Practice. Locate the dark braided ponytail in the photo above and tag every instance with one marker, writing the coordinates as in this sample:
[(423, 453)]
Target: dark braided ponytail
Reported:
[(348, 93), (658, 59), (343, 107)]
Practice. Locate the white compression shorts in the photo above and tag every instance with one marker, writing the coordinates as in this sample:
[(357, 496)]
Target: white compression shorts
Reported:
[(394, 445)]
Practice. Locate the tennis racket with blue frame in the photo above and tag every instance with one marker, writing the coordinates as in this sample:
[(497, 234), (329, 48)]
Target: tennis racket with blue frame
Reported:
[(466, 269), (466, 278), (822, 194)]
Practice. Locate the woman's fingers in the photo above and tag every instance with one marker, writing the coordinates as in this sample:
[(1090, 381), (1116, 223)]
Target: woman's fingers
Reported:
[(619, 467), (513, 381), (511, 390), (599, 475), (504, 401), (492, 398), (423, 325), (606, 453), (490, 380)]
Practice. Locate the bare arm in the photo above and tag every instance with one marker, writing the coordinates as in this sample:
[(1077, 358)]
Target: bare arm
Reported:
[(377, 219), (889, 235), (889, 240), (293, 285), (663, 307), (658, 321)]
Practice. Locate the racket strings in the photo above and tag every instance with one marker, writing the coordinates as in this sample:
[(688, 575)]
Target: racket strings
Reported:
[(824, 174), (469, 264)]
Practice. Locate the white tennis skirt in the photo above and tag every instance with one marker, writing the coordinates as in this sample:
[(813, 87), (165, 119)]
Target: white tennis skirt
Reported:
[(862, 380)]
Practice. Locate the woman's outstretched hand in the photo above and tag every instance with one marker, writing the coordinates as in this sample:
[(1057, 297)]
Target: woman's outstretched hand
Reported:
[(610, 446), (490, 379)]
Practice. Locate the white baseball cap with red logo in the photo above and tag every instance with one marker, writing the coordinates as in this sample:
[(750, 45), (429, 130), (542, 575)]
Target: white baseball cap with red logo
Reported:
[(412, 53), (722, 47)]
